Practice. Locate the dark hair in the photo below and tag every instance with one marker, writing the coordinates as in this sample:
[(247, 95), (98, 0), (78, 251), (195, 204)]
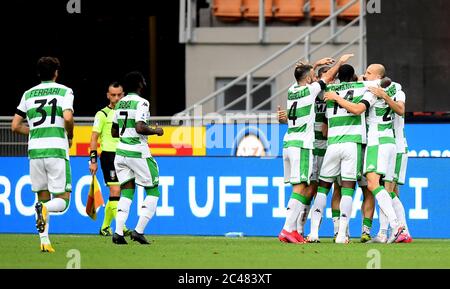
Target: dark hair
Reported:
[(301, 71), (322, 70), (346, 73), (46, 67), (133, 82), (115, 84)]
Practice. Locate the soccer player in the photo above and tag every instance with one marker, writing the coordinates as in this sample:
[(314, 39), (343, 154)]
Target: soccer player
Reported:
[(346, 132), (134, 163), (320, 147), (48, 108), (102, 130), (395, 98), (380, 148), (298, 142)]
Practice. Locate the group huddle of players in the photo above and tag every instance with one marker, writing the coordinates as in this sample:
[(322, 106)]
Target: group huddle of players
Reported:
[(342, 130)]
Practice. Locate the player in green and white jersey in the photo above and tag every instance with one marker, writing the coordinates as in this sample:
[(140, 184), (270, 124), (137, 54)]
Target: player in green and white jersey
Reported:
[(48, 109), (134, 163), (395, 98), (380, 146), (101, 133), (298, 142), (320, 146), (346, 133)]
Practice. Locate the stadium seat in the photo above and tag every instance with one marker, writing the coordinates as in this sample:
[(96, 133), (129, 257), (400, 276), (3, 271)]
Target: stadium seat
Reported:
[(350, 13), (289, 10), (319, 9), (251, 9), (227, 10)]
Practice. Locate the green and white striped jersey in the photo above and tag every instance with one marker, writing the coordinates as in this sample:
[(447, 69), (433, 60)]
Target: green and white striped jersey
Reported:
[(395, 91), (344, 126), (301, 115), (380, 128), (129, 110), (43, 106), (320, 141)]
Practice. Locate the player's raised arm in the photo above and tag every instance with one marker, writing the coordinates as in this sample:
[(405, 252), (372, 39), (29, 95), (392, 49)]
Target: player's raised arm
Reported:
[(330, 75)]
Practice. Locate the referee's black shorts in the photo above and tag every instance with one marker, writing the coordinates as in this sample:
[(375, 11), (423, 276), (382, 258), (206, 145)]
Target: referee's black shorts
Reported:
[(109, 172)]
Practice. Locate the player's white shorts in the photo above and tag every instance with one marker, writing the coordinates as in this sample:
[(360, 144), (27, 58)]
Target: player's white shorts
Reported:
[(317, 164), (401, 163), (342, 159), (50, 174), (297, 165), (381, 160), (144, 172)]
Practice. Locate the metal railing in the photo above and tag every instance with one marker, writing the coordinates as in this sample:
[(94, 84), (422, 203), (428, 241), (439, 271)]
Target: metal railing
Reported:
[(304, 38)]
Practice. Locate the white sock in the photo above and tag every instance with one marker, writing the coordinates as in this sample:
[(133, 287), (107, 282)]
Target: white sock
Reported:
[(123, 209), (384, 224), (335, 225), (292, 213), (385, 203), (346, 210), (317, 209), (148, 210), (302, 218), (44, 236), (399, 211), (56, 205)]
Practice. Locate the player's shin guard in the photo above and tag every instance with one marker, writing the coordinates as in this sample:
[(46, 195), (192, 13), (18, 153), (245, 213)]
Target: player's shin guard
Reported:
[(292, 213), (399, 210), (346, 210), (317, 210), (384, 224), (123, 208), (147, 212), (302, 218), (385, 203)]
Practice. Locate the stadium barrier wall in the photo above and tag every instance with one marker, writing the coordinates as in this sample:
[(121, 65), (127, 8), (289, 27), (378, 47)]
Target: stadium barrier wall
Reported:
[(216, 195), (255, 140)]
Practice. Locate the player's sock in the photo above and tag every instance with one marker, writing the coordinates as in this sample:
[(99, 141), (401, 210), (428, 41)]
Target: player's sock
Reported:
[(44, 235), (346, 210), (302, 218), (147, 211), (384, 224), (110, 211), (335, 215), (317, 209), (385, 203), (292, 212), (399, 210), (367, 225), (123, 208), (57, 205)]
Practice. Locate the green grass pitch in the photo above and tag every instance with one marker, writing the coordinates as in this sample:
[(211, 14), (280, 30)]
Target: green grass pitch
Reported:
[(180, 252)]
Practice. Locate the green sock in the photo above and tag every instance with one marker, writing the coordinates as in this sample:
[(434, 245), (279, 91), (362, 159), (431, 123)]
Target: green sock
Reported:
[(110, 213)]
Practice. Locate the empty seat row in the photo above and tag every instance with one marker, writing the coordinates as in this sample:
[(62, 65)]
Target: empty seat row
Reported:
[(283, 10)]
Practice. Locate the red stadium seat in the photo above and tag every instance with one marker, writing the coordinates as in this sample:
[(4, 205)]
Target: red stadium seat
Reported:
[(289, 10), (350, 13), (227, 10), (251, 9), (319, 9)]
